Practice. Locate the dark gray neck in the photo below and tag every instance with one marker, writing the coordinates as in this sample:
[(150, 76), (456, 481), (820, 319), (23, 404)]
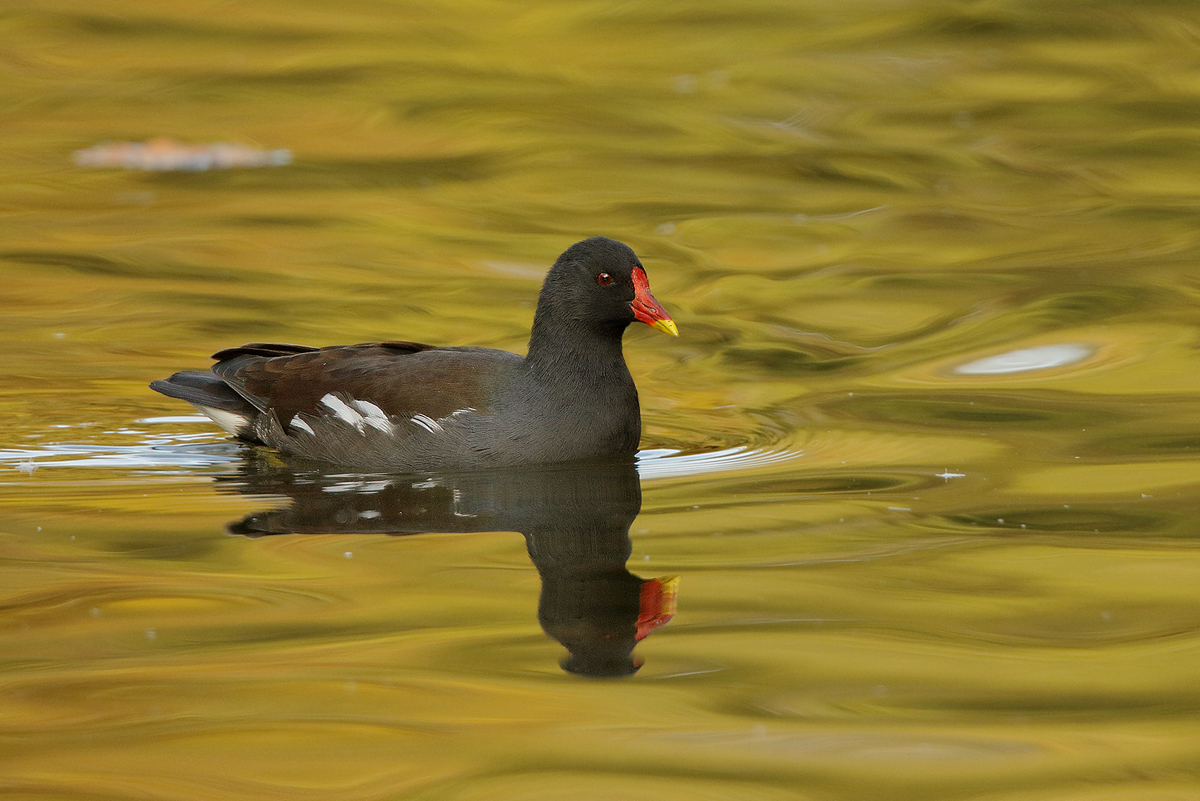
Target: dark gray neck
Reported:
[(568, 352)]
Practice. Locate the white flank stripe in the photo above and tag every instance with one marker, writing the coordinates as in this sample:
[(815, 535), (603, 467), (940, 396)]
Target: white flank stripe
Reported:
[(298, 422), (427, 423), (373, 416), (342, 411), (456, 413)]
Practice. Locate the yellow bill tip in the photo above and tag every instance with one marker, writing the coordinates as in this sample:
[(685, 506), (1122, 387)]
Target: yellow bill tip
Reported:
[(666, 326)]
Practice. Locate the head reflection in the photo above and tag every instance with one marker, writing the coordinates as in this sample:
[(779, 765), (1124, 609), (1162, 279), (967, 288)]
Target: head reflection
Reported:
[(575, 519)]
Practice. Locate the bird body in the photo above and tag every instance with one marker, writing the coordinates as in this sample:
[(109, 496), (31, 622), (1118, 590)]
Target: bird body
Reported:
[(405, 406)]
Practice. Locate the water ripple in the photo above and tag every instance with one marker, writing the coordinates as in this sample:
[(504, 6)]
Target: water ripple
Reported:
[(197, 451), (663, 463)]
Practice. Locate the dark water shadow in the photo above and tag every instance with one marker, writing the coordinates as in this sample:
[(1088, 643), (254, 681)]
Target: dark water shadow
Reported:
[(575, 519)]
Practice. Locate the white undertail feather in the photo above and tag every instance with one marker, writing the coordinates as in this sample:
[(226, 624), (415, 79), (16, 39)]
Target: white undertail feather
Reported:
[(234, 423)]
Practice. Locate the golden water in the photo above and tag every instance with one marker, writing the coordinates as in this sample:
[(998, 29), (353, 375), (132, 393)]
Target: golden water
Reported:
[(925, 457)]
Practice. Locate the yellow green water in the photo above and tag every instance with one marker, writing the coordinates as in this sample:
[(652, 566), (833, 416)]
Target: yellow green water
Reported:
[(925, 457)]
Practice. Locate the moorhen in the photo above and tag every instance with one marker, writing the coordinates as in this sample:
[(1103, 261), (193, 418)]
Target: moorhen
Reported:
[(405, 406)]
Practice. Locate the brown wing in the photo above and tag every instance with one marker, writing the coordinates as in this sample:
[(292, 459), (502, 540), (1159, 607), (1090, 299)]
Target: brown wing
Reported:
[(401, 378), (267, 349)]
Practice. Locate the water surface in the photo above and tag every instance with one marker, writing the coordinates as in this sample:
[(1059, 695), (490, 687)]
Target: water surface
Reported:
[(924, 458)]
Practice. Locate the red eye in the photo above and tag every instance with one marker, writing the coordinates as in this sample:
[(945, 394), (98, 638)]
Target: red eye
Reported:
[(604, 279)]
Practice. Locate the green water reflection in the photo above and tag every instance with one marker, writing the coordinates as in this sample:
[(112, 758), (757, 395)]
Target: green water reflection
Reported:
[(924, 456)]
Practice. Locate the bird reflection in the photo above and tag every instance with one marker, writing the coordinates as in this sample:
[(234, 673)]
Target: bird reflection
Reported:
[(575, 519)]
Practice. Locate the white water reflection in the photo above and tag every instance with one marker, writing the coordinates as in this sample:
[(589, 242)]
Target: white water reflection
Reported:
[(175, 449), (665, 462), (1027, 359)]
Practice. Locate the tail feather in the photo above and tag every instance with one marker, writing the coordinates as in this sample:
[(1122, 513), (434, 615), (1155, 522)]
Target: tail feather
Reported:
[(202, 388), (216, 399)]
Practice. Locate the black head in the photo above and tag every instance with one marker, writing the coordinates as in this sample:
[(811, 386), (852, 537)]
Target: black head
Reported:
[(599, 285)]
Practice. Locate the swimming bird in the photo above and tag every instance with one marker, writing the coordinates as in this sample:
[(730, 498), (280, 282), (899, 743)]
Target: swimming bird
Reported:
[(402, 406)]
